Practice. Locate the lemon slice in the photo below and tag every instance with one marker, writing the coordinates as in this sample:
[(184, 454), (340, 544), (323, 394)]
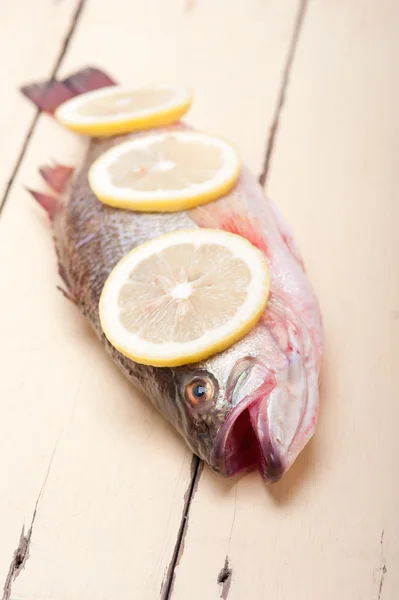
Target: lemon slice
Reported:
[(183, 297), (116, 110), (165, 172)]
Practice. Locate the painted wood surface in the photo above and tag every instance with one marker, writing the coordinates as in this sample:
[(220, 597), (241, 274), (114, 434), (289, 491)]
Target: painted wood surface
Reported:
[(32, 40), (330, 528), (94, 483)]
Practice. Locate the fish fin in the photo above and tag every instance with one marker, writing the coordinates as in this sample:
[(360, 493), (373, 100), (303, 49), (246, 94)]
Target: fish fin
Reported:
[(88, 80), (67, 294), (48, 95), (57, 176), (50, 204), (228, 214), (63, 274), (66, 291), (286, 234)]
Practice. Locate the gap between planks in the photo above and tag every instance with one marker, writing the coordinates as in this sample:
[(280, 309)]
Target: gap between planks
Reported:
[(167, 587), (21, 553), (58, 62), (283, 90)]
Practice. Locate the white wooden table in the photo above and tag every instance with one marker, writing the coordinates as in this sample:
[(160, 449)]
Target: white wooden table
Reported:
[(98, 500)]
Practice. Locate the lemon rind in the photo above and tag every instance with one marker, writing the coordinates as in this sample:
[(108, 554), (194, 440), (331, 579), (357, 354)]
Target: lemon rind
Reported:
[(201, 353), (112, 125), (174, 202)]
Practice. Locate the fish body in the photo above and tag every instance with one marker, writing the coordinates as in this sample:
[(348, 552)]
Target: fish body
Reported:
[(264, 403)]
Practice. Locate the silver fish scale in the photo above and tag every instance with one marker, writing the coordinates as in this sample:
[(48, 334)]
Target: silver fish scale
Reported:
[(91, 238)]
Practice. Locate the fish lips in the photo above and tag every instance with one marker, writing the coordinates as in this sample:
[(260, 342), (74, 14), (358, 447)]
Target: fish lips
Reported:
[(244, 440)]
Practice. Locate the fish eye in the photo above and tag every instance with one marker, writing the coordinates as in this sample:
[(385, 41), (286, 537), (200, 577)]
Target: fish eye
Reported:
[(199, 390)]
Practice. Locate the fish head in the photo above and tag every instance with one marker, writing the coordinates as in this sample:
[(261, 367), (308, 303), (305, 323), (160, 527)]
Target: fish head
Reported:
[(254, 405)]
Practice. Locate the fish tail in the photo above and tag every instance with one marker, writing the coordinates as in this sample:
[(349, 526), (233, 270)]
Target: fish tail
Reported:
[(48, 95)]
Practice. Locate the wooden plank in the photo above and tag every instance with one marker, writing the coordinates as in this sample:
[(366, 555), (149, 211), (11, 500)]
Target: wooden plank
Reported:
[(98, 473), (32, 37), (329, 529)]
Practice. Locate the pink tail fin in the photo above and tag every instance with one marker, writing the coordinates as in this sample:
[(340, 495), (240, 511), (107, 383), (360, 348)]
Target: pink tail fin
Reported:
[(48, 95), (50, 204), (57, 176)]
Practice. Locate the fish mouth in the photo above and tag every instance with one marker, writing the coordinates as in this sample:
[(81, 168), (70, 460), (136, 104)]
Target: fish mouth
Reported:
[(273, 415), (244, 441), (248, 445)]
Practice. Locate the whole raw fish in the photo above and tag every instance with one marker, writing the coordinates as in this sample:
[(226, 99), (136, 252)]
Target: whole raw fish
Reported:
[(265, 399)]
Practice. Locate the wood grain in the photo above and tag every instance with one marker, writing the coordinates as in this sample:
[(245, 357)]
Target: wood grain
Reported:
[(330, 528), (32, 38), (93, 474)]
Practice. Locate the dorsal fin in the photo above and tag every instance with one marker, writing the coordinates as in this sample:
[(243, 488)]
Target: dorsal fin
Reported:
[(50, 204), (57, 176)]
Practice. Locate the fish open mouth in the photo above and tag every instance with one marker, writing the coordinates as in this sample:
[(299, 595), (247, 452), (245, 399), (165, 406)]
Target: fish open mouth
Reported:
[(244, 443), (247, 444), (273, 415)]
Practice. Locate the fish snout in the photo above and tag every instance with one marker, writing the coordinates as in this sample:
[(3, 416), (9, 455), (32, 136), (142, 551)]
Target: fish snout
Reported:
[(266, 418)]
